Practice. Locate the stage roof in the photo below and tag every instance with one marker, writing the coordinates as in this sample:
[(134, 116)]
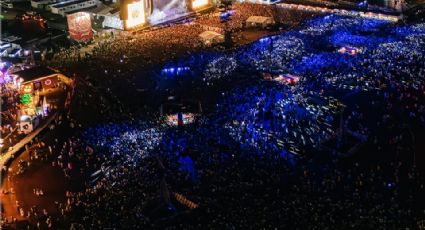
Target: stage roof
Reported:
[(259, 19)]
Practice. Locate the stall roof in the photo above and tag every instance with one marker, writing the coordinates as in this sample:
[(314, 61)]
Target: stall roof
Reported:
[(208, 35), (259, 19), (66, 3), (34, 73)]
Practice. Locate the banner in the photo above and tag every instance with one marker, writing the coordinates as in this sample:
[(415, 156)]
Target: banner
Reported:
[(79, 26)]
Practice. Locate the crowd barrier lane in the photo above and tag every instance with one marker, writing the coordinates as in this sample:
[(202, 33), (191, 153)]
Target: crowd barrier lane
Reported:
[(7, 158), (186, 202)]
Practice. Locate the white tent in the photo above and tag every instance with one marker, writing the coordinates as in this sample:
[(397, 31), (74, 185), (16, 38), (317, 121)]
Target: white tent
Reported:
[(211, 37), (259, 21)]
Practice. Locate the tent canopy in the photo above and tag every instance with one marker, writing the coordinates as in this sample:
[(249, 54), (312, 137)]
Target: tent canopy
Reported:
[(259, 20), (211, 36), (208, 35)]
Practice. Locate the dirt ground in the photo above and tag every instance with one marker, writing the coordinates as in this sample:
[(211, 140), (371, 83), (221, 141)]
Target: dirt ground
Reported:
[(41, 175)]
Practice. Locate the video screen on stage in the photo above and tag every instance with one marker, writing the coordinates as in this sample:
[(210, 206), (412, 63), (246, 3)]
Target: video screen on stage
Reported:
[(167, 10), (79, 26), (156, 12), (136, 14)]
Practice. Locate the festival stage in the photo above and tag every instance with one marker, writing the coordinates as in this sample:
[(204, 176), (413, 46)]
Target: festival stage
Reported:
[(140, 14)]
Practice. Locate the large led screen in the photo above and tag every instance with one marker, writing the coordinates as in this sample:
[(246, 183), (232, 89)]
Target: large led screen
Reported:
[(156, 12), (136, 14)]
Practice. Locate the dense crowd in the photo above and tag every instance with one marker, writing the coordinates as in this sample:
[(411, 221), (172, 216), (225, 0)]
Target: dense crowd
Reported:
[(275, 119), (241, 12), (9, 111), (165, 43), (266, 154)]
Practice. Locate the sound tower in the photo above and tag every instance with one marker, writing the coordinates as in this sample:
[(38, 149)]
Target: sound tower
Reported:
[(123, 9), (189, 5)]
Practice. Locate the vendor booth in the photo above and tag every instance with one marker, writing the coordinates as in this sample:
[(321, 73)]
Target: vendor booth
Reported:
[(259, 21), (210, 38)]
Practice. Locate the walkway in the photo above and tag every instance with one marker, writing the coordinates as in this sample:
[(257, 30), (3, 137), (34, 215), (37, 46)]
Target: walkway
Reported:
[(18, 146)]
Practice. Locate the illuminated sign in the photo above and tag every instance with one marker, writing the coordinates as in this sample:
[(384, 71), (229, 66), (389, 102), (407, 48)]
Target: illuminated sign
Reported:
[(26, 99), (50, 82), (199, 3), (27, 88), (136, 14), (79, 26)]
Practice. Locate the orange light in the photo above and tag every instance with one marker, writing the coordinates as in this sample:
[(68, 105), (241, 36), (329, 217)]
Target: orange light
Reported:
[(199, 3)]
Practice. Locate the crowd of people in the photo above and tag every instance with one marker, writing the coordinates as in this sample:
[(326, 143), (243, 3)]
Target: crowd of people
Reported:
[(166, 42), (9, 112), (241, 12), (275, 119), (266, 154)]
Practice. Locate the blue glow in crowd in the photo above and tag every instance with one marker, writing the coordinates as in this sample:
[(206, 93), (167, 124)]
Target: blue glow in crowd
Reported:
[(254, 160), (272, 117)]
